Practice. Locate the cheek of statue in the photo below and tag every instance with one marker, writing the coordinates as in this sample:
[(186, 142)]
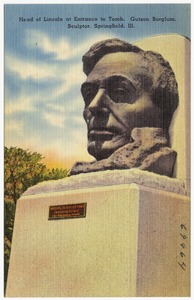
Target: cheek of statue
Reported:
[(110, 126)]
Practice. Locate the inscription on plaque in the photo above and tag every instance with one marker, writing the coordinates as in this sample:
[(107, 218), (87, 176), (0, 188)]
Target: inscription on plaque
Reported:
[(67, 211)]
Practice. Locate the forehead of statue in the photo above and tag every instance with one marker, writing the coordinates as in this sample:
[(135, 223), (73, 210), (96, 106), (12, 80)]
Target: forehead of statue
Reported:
[(127, 64)]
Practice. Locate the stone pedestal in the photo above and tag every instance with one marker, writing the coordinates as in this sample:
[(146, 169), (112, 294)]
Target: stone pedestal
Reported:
[(133, 241)]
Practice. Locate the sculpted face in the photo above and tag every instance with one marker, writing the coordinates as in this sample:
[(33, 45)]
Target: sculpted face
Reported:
[(117, 99)]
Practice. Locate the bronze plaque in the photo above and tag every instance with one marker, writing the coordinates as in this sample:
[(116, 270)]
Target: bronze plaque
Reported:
[(67, 211)]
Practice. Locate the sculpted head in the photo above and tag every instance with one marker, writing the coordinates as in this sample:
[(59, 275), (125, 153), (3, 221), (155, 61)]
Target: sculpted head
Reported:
[(125, 88)]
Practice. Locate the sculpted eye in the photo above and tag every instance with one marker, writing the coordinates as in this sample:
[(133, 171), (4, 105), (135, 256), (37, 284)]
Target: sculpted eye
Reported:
[(121, 90), (88, 93), (122, 95), (88, 97), (119, 95)]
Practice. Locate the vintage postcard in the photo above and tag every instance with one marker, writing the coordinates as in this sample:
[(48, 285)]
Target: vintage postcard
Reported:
[(97, 150)]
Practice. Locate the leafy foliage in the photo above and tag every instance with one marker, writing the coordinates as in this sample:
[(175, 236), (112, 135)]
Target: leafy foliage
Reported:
[(9, 213), (22, 169), (55, 174), (7, 251)]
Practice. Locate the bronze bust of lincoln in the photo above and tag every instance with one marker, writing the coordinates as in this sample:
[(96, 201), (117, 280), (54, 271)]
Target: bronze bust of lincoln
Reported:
[(130, 96)]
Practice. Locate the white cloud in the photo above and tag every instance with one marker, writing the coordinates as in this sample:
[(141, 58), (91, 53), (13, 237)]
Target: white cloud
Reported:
[(61, 47), (38, 39), (23, 104), (56, 107), (13, 128), (26, 69), (71, 142), (71, 75), (54, 119), (74, 104)]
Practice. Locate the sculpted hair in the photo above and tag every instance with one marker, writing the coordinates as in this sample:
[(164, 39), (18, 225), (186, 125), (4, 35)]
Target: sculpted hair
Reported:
[(164, 87)]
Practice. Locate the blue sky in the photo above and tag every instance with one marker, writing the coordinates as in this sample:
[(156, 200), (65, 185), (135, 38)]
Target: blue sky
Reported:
[(43, 70)]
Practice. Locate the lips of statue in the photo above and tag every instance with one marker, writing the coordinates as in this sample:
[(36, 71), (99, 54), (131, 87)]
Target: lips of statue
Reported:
[(116, 101)]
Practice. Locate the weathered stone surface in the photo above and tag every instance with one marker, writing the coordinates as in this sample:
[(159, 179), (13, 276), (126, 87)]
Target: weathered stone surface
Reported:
[(98, 50), (148, 151), (109, 178)]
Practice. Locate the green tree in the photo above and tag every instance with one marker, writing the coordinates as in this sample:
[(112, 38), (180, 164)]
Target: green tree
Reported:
[(22, 169), (9, 213), (7, 252), (55, 174)]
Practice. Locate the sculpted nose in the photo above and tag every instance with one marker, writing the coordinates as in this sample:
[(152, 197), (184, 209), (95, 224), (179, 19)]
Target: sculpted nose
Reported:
[(97, 104)]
